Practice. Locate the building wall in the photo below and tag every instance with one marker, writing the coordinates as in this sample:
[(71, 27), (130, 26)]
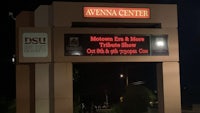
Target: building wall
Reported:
[(56, 92)]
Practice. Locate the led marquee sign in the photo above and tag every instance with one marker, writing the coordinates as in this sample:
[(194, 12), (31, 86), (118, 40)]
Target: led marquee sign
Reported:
[(115, 12), (115, 45)]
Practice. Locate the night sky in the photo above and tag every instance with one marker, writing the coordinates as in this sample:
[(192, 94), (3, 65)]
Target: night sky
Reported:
[(189, 43)]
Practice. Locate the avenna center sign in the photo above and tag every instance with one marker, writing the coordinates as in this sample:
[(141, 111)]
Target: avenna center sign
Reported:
[(111, 12)]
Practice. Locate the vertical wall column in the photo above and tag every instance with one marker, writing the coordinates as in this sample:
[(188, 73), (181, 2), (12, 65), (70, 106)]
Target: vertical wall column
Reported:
[(42, 71), (63, 88), (24, 72), (42, 101), (159, 70), (169, 97), (24, 83)]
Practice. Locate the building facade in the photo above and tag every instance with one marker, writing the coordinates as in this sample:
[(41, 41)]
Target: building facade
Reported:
[(53, 37)]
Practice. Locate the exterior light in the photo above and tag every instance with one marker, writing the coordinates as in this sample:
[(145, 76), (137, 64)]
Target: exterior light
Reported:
[(160, 42), (138, 83), (122, 76), (78, 53), (13, 59)]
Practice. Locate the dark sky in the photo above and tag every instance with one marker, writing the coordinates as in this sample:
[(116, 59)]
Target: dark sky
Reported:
[(19, 5), (189, 42)]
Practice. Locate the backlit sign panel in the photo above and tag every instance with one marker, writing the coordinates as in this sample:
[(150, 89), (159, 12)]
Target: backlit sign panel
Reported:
[(115, 45), (35, 44), (112, 12)]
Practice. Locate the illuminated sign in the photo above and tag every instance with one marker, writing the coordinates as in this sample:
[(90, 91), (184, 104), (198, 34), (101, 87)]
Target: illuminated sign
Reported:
[(112, 12), (115, 45), (35, 44)]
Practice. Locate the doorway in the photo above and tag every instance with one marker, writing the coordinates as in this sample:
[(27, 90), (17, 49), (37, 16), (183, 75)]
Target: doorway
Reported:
[(102, 86)]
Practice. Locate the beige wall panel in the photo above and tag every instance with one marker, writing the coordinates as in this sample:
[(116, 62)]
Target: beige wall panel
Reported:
[(43, 16), (59, 45), (63, 88), (67, 12), (42, 101), (23, 19), (171, 87), (63, 105), (23, 99)]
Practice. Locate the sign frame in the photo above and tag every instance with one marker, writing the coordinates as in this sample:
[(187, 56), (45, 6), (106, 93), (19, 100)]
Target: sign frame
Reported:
[(117, 12), (28, 58), (116, 45)]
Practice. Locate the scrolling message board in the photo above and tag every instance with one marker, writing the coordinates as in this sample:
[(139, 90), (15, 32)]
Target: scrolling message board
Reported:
[(115, 45)]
